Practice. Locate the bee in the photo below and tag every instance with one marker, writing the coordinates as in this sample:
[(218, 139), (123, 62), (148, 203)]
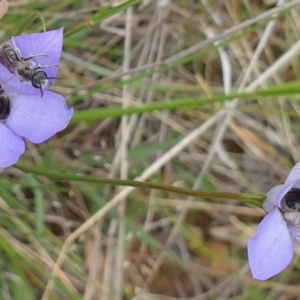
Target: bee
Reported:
[(36, 76), (292, 199), (291, 207), (23, 67), (4, 105), (11, 58)]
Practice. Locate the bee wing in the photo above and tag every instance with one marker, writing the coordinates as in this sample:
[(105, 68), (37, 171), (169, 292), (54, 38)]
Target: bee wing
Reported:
[(6, 61)]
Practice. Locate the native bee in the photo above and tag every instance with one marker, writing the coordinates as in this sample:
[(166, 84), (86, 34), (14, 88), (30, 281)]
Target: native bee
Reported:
[(36, 76), (292, 199), (4, 105), (290, 207), (11, 58), (23, 67)]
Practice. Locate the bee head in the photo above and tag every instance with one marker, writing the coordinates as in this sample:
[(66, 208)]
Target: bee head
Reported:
[(39, 80)]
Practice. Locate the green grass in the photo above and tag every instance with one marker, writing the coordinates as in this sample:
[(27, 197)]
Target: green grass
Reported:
[(51, 201)]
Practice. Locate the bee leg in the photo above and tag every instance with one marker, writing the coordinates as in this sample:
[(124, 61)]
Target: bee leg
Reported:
[(33, 56), (17, 50), (46, 67)]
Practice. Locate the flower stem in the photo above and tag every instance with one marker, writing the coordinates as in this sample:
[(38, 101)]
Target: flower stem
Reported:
[(253, 199)]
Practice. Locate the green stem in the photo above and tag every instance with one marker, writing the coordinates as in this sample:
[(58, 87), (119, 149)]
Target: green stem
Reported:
[(253, 199), (100, 17)]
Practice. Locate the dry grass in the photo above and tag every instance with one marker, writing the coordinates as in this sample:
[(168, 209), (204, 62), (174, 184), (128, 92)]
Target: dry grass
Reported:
[(106, 242)]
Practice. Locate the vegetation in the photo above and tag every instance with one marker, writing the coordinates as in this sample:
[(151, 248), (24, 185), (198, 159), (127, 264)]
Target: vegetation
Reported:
[(186, 113)]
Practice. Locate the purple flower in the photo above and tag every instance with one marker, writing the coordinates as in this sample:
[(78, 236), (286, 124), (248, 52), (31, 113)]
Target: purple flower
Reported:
[(31, 116), (270, 251), (48, 44)]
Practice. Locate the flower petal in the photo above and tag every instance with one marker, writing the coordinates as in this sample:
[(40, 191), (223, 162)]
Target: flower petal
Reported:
[(47, 43), (11, 147), (270, 251), (40, 43), (294, 232), (270, 202), (293, 180), (38, 119), (294, 175)]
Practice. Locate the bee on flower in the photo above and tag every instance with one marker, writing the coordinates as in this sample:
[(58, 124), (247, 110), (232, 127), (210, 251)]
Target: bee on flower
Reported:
[(271, 250), (26, 114)]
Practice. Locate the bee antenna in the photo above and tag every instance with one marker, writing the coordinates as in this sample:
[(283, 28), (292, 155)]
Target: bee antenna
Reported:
[(42, 94)]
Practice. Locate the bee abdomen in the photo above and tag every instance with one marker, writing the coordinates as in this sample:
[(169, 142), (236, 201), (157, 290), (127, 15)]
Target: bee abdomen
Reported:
[(292, 199), (4, 107)]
